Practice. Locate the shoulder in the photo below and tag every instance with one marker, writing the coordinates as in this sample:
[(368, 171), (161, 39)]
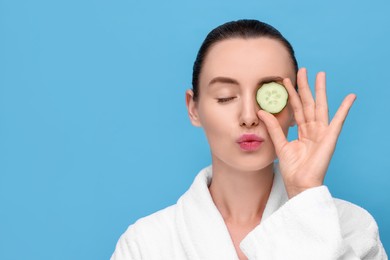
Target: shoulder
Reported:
[(358, 227), (149, 237), (154, 227)]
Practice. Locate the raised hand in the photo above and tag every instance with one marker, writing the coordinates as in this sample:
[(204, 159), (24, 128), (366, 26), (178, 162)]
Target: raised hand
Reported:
[(304, 162)]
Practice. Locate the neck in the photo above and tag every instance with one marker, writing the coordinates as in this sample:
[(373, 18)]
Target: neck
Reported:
[(240, 196)]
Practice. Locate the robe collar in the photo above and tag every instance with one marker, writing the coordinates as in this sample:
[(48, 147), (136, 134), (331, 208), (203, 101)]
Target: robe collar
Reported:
[(201, 228)]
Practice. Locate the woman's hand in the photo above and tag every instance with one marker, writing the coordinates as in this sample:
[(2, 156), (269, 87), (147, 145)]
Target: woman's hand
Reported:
[(304, 162)]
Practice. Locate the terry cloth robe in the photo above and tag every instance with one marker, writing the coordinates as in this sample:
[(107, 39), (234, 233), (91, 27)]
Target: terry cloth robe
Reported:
[(311, 225)]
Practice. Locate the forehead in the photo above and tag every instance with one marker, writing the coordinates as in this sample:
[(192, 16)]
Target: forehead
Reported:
[(247, 60)]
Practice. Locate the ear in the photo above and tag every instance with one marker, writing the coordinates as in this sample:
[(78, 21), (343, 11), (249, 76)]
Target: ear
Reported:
[(192, 108)]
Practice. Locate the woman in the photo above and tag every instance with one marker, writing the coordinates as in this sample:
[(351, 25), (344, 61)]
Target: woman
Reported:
[(245, 205)]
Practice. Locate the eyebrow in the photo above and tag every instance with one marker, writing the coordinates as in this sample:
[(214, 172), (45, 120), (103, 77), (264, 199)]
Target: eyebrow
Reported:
[(235, 82)]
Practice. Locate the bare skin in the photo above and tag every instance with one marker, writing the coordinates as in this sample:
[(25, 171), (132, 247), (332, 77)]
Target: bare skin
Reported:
[(226, 109)]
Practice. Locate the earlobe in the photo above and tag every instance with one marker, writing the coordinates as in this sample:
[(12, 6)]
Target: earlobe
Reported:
[(192, 108)]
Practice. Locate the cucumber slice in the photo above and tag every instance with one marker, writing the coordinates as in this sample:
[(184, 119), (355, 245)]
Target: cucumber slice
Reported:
[(272, 97)]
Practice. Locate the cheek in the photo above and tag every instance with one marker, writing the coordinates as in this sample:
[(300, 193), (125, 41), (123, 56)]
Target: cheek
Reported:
[(218, 123), (213, 119)]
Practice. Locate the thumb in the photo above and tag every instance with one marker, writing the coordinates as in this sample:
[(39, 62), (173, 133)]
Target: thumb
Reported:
[(274, 129)]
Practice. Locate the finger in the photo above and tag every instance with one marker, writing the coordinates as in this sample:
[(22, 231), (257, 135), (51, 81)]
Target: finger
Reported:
[(306, 96), (322, 113), (341, 114), (274, 129), (295, 102)]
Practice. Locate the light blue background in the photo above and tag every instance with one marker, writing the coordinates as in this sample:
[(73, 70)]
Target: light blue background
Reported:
[(93, 126)]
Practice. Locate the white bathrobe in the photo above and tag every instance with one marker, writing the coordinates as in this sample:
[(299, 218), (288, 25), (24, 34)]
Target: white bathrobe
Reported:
[(311, 225)]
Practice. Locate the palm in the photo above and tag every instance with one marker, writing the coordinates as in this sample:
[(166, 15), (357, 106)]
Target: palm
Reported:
[(304, 162)]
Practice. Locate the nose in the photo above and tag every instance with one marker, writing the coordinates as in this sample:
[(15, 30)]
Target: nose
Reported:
[(248, 115)]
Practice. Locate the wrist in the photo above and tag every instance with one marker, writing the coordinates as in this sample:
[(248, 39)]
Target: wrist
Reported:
[(293, 190)]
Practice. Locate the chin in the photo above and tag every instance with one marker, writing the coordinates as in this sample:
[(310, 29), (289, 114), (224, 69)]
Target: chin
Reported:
[(251, 164), (246, 162), (256, 167)]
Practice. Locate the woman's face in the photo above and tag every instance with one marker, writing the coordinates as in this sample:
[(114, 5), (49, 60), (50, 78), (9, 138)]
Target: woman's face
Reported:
[(227, 109)]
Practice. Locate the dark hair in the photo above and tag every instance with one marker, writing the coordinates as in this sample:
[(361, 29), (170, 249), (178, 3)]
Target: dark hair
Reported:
[(245, 29)]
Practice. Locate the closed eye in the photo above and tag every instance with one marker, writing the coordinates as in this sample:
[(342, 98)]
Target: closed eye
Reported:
[(224, 100)]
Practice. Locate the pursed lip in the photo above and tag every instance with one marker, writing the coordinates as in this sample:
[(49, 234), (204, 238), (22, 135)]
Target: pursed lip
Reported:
[(249, 138), (250, 142)]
